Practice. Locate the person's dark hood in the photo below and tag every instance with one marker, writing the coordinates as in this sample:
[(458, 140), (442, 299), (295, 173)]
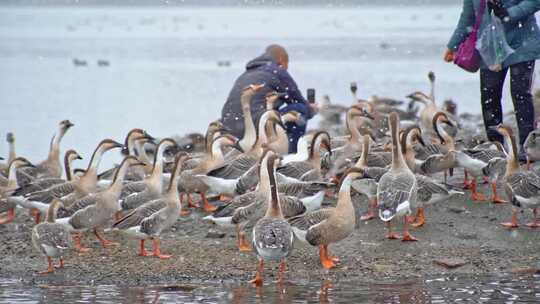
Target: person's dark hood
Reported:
[(264, 59)]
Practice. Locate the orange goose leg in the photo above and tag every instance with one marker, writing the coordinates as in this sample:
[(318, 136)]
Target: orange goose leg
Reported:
[(243, 244), (78, 246), (513, 222), (35, 214), (157, 250), (495, 198), (391, 235), (326, 261), (370, 214), (466, 182), (142, 250), (534, 223), (475, 196), (420, 218), (9, 218), (183, 210), (258, 280), (528, 164), (206, 204), (50, 269), (102, 240), (61, 265), (407, 237), (281, 273)]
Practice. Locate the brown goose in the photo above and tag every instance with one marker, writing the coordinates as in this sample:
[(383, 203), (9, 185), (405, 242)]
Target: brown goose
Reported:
[(250, 133), (51, 167), (396, 192), (137, 193), (6, 190), (272, 234), (94, 211), (52, 239), (189, 183), (150, 219), (330, 225), (522, 187), (75, 189)]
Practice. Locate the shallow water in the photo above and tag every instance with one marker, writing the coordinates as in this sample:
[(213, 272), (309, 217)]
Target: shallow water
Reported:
[(451, 289)]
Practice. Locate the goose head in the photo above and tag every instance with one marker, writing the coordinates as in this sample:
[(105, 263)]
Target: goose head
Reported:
[(72, 155), (248, 93), (420, 97), (53, 209), (10, 138), (226, 140), (294, 117), (65, 125), (129, 141), (361, 110), (270, 116), (354, 87), (431, 76), (320, 140), (272, 97), (20, 162), (411, 135)]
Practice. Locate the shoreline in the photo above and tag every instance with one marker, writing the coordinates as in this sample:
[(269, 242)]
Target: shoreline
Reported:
[(458, 229)]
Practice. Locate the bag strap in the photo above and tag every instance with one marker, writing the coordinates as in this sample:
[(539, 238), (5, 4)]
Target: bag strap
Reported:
[(479, 16)]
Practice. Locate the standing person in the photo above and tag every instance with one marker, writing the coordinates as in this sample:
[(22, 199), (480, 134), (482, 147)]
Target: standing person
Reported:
[(522, 34), (269, 69)]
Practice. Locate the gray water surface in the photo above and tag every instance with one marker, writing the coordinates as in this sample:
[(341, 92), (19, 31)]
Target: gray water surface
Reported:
[(451, 289)]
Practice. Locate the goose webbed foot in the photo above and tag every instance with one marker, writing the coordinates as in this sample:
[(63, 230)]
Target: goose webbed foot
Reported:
[(420, 218), (9, 218), (50, 268), (513, 222), (78, 246), (104, 242), (157, 251), (258, 280), (326, 261), (142, 250)]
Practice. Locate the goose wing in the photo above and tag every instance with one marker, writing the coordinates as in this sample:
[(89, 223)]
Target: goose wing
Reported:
[(137, 216), (237, 202), (307, 220), (394, 188), (524, 184), (235, 168), (136, 199), (77, 205), (56, 191), (295, 169), (291, 206)]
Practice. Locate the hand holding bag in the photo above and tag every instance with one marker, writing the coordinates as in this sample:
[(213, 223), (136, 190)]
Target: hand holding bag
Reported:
[(467, 56)]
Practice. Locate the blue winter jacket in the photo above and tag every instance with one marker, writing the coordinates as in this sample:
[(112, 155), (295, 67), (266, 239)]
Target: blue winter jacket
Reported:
[(521, 29), (260, 70)]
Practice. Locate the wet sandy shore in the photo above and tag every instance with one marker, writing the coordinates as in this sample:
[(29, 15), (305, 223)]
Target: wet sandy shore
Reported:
[(455, 229)]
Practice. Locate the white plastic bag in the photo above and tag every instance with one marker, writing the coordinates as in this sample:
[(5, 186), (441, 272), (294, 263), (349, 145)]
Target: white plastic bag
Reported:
[(492, 44)]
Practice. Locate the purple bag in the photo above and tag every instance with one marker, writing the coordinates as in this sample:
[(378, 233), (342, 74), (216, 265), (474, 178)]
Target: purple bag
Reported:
[(467, 56)]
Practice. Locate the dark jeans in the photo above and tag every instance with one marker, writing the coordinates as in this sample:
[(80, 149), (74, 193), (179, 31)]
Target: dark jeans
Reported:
[(491, 86)]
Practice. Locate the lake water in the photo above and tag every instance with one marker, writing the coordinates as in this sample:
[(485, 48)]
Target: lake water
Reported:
[(163, 74), (504, 289)]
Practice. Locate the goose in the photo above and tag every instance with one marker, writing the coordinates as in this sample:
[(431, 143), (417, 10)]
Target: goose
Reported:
[(246, 208), (522, 187), (435, 156), (10, 138), (331, 112), (483, 163), (250, 133), (137, 193), (353, 144), (532, 147), (278, 139), (51, 167), (75, 189), (302, 151), (94, 211), (310, 169), (368, 184), (330, 225), (243, 162), (396, 192), (189, 183), (6, 190), (133, 145), (150, 219), (272, 234), (52, 239), (44, 183)]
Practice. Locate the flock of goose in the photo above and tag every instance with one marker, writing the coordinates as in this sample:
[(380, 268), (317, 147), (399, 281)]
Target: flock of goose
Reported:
[(399, 159)]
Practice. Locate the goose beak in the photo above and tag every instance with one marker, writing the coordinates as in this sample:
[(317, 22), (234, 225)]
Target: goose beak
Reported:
[(70, 124), (1, 158), (78, 157), (421, 141), (224, 129), (138, 163), (149, 137)]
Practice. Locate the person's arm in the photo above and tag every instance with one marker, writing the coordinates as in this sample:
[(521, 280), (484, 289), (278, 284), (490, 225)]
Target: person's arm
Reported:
[(294, 96), (522, 10), (466, 21)]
